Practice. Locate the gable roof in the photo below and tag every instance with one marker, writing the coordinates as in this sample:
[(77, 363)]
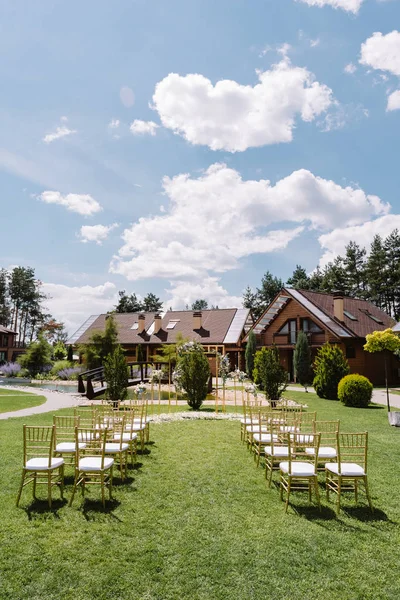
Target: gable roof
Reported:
[(396, 328), (366, 316), (218, 326)]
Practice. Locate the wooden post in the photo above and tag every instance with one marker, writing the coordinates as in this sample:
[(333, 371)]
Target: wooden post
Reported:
[(216, 380), (169, 384)]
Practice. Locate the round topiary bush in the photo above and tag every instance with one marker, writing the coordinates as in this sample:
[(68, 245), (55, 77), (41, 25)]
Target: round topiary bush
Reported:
[(355, 390)]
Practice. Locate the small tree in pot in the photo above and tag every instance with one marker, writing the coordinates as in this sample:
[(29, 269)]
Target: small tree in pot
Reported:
[(271, 375), (386, 342), (116, 376)]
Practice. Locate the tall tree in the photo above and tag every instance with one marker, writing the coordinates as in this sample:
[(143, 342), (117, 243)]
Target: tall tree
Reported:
[(299, 279), (334, 277), (128, 304), (270, 287), (354, 265), (392, 250), (376, 273), (315, 280), (4, 306), (200, 304), (116, 375), (151, 303), (250, 301)]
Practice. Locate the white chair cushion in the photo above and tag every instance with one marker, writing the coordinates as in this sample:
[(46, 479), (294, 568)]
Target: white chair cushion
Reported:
[(256, 428), (248, 421), (42, 464), (127, 436), (93, 463), (347, 469), (289, 428), (265, 438), (323, 452), (299, 469), (278, 451), (112, 448), (69, 446), (135, 427)]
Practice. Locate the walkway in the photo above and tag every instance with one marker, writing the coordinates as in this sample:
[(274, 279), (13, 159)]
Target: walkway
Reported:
[(54, 401), (378, 395)]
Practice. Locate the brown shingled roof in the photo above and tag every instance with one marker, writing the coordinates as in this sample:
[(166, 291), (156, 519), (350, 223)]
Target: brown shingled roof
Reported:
[(360, 309), (215, 325), (6, 330)]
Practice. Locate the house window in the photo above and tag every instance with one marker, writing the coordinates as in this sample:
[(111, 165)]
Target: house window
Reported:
[(5, 340), (2, 357), (350, 352), (376, 319), (135, 326), (309, 326), (289, 329), (171, 324), (349, 315)]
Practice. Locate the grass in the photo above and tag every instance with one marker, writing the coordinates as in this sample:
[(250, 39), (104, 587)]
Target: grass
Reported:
[(196, 521), (11, 400)]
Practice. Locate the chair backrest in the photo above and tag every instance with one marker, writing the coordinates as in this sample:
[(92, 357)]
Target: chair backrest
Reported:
[(353, 448), (94, 440), (65, 428), (38, 442), (87, 415), (306, 421), (297, 444), (328, 431)]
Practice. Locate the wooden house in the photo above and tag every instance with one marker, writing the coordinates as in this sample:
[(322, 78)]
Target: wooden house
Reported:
[(218, 330), (332, 318)]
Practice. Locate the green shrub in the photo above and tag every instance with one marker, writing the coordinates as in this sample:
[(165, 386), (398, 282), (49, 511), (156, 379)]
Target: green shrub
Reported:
[(355, 390), (250, 354), (59, 365), (116, 375), (269, 373), (302, 360), (193, 371), (330, 367)]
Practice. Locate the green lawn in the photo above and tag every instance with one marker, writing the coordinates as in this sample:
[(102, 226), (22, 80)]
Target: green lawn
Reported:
[(11, 400), (196, 521)]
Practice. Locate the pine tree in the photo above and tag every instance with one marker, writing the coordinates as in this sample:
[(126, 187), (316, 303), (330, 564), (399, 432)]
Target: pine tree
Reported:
[(270, 287), (250, 301), (330, 366), (355, 268), (4, 307), (299, 279), (392, 250), (302, 360), (200, 304), (376, 274), (128, 304), (70, 355), (251, 349), (151, 303)]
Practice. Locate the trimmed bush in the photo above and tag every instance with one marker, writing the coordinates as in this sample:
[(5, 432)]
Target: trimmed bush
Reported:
[(270, 375), (330, 367), (355, 390), (193, 371)]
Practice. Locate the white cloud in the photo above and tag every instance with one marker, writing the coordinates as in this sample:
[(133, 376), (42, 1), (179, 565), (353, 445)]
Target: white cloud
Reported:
[(73, 305), (350, 69), (127, 96), (95, 233), (64, 118), (348, 5), (335, 242), (315, 43), (382, 52), (394, 101), (233, 117), (215, 220), (82, 204), (139, 127), (183, 293), (114, 124), (60, 132)]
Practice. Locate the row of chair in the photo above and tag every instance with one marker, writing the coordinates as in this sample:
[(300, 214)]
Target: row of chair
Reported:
[(91, 440), (299, 446)]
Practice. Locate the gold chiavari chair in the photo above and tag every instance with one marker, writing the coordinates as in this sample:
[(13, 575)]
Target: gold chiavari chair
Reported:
[(351, 467), (299, 472), (64, 437), (276, 451), (115, 444), (328, 447), (92, 466), (40, 466)]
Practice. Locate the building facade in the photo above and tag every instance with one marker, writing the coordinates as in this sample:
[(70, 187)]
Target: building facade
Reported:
[(332, 318), (142, 335)]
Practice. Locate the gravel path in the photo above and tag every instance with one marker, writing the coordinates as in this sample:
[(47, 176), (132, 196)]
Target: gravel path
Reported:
[(54, 401)]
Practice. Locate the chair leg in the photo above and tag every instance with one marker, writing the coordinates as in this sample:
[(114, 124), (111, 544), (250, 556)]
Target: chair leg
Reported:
[(49, 488), (103, 498), (74, 488), (288, 494), (21, 486), (34, 485), (356, 490), (317, 492), (339, 491), (110, 482), (367, 492), (62, 482)]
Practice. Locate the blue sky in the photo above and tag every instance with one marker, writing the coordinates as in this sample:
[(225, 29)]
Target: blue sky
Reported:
[(186, 147)]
